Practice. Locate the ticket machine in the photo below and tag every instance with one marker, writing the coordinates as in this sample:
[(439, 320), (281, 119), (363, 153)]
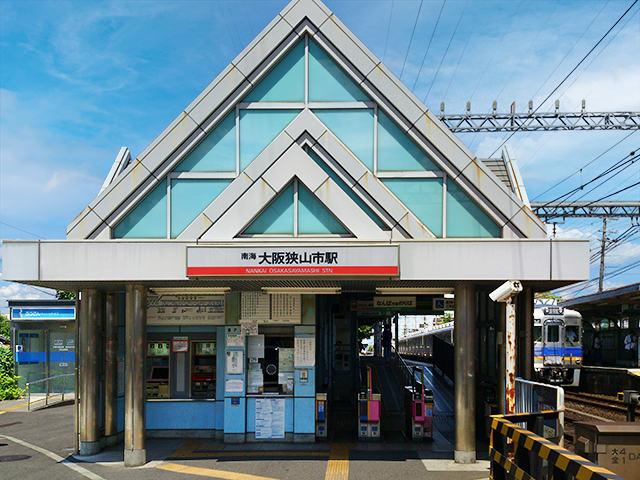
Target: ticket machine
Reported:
[(369, 405)]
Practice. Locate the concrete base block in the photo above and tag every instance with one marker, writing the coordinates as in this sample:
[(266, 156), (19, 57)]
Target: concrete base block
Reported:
[(304, 438), (89, 448), (234, 438), (135, 458), (464, 457), (112, 440)]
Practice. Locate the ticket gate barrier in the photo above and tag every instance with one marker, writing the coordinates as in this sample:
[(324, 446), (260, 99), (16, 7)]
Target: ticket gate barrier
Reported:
[(321, 415), (419, 409), (369, 406)]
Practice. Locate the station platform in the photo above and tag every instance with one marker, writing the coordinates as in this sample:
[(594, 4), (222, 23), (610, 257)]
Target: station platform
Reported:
[(43, 440)]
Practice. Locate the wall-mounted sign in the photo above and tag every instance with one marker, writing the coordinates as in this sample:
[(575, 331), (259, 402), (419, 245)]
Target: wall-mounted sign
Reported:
[(443, 304), (180, 345), (185, 310), (395, 304), (293, 260), (262, 308), (43, 313)]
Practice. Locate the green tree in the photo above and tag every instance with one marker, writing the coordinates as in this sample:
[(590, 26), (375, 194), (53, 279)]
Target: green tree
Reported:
[(62, 295), (8, 380), (364, 332), (548, 295)]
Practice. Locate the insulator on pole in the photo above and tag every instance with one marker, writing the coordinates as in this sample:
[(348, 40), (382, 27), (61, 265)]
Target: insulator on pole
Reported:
[(468, 107), (442, 108), (530, 106), (495, 106)]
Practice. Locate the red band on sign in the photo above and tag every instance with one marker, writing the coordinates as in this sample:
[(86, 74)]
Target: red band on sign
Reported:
[(290, 270)]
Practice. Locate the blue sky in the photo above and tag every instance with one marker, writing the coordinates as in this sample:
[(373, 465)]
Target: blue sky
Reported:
[(79, 80)]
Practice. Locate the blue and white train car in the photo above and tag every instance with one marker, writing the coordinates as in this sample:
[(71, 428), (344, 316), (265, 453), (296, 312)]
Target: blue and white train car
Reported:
[(557, 345)]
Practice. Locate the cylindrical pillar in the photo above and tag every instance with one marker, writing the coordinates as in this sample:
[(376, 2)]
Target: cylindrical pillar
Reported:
[(465, 369), (111, 367), (135, 453), (89, 362)]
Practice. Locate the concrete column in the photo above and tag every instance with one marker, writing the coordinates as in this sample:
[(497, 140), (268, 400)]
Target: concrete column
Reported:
[(111, 368), (465, 369), (89, 363), (525, 322), (135, 453)]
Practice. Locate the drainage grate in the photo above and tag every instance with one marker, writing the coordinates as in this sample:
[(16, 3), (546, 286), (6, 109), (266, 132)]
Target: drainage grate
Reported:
[(13, 458), (444, 417)]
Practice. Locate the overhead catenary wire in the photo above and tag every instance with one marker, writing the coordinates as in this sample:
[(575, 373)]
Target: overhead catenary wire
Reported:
[(428, 46), (569, 74), (386, 42), (415, 24)]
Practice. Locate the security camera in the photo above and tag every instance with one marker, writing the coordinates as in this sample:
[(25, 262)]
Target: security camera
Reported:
[(505, 291)]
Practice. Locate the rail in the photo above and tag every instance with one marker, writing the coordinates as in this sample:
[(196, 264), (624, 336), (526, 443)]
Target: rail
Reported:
[(48, 392), (516, 452)]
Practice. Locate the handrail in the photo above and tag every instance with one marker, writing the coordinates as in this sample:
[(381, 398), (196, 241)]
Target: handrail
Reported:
[(402, 369), (47, 393)]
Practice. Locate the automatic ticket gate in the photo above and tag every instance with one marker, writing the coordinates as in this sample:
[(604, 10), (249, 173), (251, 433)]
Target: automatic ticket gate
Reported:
[(369, 406), (419, 409)]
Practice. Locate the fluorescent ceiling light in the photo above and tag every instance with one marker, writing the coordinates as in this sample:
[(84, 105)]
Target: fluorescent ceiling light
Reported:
[(192, 291), (304, 290), (412, 291)]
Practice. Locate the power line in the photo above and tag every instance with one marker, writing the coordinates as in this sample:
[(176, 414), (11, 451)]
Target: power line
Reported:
[(428, 46), (386, 42), (446, 51), (21, 230), (411, 39), (571, 72)]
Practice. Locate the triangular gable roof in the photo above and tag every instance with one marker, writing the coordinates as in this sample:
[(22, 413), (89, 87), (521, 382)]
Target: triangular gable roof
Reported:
[(299, 18)]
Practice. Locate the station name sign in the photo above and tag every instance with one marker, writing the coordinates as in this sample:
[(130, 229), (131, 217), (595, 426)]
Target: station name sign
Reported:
[(43, 313), (293, 260)]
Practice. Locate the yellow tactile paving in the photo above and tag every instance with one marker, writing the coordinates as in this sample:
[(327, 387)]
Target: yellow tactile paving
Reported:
[(338, 466)]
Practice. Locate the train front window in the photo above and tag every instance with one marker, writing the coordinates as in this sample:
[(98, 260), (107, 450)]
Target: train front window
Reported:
[(553, 333), (537, 333), (572, 333)]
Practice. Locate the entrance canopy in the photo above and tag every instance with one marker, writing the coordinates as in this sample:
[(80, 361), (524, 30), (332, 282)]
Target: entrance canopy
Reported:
[(305, 163)]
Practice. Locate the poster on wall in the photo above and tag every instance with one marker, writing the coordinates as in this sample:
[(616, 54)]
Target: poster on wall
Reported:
[(185, 310), (235, 362), (269, 417), (305, 351)]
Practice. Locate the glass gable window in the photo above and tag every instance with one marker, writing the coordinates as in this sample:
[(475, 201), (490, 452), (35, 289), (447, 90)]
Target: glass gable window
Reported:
[(396, 151), (314, 218), (148, 219), (423, 197), (277, 219), (328, 82), (465, 218), (258, 128), (189, 198), (216, 153), (354, 127), (285, 83)]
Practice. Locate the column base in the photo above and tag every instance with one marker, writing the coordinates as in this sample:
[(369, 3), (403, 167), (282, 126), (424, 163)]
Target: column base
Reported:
[(464, 457), (89, 448), (135, 458)]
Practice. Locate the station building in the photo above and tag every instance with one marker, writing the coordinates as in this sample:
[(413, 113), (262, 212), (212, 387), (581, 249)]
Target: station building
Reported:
[(224, 271)]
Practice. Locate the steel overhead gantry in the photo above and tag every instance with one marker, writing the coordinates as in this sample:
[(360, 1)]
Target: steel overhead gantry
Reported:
[(550, 210)]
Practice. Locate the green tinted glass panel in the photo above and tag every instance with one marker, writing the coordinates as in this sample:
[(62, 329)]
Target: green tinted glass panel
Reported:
[(258, 128), (465, 218), (285, 83), (148, 219), (216, 153), (277, 219), (354, 127), (189, 198), (423, 197), (328, 82), (347, 190), (313, 217), (396, 151)]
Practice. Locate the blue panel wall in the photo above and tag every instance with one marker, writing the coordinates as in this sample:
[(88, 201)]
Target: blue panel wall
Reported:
[(177, 415), (234, 415), (305, 420), (120, 414)]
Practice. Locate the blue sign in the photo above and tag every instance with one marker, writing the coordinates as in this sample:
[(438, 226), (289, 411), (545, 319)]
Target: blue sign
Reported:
[(43, 313)]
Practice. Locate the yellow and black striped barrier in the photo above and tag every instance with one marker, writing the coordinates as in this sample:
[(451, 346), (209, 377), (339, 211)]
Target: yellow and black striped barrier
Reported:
[(518, 453)]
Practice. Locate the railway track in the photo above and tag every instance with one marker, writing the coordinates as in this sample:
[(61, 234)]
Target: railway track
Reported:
[(604, 403)]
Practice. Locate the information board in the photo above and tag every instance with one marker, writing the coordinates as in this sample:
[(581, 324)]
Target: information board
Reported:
[(305, 351), (263, 308), (185, 310), (269, 417)]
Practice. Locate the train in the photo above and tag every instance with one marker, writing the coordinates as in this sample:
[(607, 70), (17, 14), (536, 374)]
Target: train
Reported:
[(557, 347), (558, 352)]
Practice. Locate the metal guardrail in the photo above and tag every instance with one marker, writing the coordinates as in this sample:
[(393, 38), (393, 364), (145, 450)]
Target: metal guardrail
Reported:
[(48, 392), (533, 397), (403, 371), (519, 453)]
